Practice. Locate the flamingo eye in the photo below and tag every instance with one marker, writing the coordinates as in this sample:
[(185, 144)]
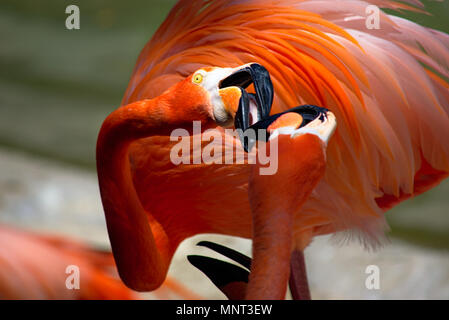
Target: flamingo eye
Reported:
[(198, 78)]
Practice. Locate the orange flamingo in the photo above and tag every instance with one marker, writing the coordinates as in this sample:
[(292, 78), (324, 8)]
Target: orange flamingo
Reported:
[(302, 134), (301, 165), (387, 87), (33, 266)]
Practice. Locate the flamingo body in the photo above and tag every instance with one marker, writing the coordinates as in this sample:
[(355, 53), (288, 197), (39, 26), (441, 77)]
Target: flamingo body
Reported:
[(34, 267), (386, 87)]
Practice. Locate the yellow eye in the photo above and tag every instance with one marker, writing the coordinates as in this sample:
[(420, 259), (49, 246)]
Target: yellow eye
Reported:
[(198, 78)]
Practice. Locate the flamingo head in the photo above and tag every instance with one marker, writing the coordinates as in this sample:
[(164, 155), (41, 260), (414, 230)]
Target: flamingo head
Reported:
[(212, 95), (222, 94), (306, 119)]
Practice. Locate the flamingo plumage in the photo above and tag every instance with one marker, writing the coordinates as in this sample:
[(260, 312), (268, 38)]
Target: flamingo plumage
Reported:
[(33, 266), (387, 87)]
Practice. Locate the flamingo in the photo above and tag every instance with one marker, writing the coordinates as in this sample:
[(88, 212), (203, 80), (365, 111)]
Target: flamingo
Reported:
[(302, 134), (35, 267), (387, 88)]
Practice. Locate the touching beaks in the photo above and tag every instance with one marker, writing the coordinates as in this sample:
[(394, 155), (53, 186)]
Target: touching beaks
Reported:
[(251, 111), (294, 122), (247, 108)]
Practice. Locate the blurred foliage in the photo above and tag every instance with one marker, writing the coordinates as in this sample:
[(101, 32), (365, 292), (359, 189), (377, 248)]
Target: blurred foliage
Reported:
[(103, 14), (57, 86), (436, 16)]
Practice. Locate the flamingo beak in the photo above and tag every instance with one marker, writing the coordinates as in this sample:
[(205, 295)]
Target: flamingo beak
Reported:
[(229, 278), (247, 108), (299, 120)]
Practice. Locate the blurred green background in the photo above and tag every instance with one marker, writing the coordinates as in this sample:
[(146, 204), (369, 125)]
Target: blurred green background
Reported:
[(57, 86)]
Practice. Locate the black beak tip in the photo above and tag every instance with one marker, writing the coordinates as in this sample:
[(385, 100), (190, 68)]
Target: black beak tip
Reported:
[(219, 272), (227, 252), (264, 89), (222, 273), (263, 99)]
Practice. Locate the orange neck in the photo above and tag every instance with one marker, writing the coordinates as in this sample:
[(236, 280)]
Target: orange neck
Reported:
[(275, 199), (141, 248)]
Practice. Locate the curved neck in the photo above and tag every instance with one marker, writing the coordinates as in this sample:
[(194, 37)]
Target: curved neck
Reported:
[(141, 248)]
